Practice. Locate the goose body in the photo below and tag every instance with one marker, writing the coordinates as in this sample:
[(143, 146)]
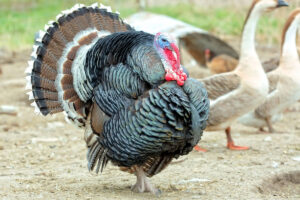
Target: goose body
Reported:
[(284, 81), (236, 93)]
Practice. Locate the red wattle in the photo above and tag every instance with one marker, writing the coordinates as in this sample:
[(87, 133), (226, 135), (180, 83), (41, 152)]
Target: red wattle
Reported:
[(169, 77), (180, 82), (184, 76), (176, 72)]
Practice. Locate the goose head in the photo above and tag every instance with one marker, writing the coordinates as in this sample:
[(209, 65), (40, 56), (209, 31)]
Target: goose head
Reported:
[(269, 5)]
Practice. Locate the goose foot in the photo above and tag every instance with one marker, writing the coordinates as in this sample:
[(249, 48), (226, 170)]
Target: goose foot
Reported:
[(270, 126), (230, 143), (261, 129), (199, 149), (232, 146)]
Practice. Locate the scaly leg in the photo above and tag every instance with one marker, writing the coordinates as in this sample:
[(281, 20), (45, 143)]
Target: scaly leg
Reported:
[(143, 184), (261, 129), (269, 124), (230, 143)]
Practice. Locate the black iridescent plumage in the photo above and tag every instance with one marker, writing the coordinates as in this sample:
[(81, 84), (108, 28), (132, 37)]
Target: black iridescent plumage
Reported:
[(119, 92), (167, 120)]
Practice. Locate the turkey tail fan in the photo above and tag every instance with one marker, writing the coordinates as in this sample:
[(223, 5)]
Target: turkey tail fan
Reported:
[(56, 75)]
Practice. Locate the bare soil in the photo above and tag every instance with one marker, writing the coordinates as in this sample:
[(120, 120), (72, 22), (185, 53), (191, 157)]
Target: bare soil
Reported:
[(44, 157)]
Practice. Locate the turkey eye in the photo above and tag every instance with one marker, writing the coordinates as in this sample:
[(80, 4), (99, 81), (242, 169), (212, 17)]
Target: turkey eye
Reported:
[(164, 40)]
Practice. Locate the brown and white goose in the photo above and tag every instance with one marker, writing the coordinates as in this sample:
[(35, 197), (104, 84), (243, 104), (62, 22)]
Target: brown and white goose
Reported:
[(284, 81), (236, 93)]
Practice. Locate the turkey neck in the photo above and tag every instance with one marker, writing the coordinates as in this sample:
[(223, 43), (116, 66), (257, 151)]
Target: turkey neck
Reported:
[(289, 54), (248, 34)]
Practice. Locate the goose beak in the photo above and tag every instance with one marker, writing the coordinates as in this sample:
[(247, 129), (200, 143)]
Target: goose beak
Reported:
[(281, 3)]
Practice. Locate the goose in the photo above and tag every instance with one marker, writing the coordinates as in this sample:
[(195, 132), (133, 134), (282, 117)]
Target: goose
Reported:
[(284, 81), (236, 93)]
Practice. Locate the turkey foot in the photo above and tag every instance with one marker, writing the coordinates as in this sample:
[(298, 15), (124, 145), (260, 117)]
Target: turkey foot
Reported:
[(199, 149), (143, 184), (230, 143)]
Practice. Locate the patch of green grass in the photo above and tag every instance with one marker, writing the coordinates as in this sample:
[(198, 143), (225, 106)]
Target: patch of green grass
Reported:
[(20, 19), (224, 21)]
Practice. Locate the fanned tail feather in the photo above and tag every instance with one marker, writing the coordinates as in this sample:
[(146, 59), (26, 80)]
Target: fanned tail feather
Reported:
[(56, 75)]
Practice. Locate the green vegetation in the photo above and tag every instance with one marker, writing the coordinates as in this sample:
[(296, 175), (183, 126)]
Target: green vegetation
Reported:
[(20, 19), (225, 21)]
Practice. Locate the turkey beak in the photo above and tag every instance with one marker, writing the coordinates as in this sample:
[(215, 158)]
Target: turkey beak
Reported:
[(170, 48), (281, 3)]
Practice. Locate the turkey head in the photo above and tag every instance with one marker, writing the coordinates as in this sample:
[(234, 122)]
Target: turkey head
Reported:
[(170, 56)]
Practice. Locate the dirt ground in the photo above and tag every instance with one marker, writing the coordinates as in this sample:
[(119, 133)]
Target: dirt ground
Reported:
[(44, 157)]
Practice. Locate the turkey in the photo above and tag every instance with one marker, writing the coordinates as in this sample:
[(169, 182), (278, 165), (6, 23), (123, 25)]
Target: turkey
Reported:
[(125, 87)]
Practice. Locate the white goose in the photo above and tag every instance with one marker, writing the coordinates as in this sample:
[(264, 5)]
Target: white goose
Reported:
[(284, 81), (236, 93)]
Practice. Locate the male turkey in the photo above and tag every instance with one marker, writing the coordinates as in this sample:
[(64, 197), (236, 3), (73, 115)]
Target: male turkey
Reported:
[(126, 87)]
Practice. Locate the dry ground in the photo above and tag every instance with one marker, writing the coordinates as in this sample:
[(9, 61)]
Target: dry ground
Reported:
[(44, 158)]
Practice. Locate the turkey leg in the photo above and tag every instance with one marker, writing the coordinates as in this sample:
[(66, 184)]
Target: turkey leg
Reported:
[(143, 184)]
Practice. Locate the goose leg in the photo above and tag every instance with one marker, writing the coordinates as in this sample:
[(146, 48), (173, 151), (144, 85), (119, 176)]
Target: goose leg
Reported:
[(199, 149), (269, 124), (143, 184), (261, 129), (230, 143)]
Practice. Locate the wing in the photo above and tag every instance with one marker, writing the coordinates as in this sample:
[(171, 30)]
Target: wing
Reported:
[(154, 129), (153, 124), (273, 78), (118, 88), (110, 101), (275, 97), (271, 64), (220, 84), (265, 110), (199, 110), (199, 101)]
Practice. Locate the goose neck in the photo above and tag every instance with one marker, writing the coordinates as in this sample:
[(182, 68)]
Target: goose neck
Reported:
[(248, 35)]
